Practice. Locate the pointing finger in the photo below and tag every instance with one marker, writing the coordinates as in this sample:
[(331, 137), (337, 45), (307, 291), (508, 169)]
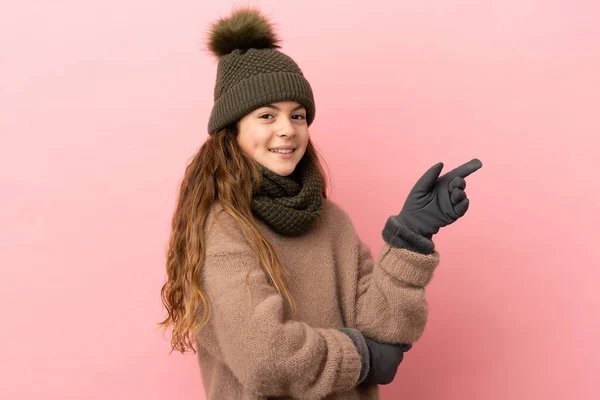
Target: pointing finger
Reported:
[(465, 170)]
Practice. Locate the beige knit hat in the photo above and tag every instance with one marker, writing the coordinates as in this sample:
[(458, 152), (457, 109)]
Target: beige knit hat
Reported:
[(251, 71)]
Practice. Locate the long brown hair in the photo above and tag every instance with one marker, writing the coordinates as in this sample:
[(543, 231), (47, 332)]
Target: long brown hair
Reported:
[(219, 171)]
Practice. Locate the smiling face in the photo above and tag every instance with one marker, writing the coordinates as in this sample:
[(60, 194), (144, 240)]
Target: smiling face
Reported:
[(282, 124)]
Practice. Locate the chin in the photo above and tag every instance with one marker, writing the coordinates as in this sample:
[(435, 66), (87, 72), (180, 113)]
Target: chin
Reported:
[(283, 171)]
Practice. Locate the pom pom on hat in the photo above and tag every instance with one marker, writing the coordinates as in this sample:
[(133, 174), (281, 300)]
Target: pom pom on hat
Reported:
[(244, 29)]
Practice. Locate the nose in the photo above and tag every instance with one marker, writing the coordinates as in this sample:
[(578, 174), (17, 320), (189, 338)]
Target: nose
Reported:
[(286, 128)]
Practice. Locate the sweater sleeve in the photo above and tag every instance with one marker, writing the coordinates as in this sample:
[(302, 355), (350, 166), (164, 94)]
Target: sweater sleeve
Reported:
[(267, 353), (390, 298)]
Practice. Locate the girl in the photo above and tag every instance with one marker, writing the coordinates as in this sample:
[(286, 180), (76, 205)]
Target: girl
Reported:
[(267, 277)]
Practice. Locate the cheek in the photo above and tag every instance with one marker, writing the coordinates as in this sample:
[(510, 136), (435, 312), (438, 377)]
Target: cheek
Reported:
[(254, 145), (305, 139), (257, 144), (260, 141)]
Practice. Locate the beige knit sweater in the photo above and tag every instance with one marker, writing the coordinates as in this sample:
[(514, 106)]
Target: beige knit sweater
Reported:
[(249, 350)]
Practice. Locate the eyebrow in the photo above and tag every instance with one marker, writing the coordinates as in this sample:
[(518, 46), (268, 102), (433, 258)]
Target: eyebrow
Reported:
[(273, 106)]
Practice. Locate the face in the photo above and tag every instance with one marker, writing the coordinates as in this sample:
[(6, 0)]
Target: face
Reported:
[(281, 124)]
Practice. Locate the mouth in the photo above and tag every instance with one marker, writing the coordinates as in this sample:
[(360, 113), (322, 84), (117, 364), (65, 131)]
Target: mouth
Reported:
[(281, 154)]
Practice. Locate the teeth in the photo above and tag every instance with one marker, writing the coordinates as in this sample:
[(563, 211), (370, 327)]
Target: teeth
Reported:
[(282, 151)]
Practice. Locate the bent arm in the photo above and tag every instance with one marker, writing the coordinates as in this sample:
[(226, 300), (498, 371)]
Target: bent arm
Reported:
[(267, 354), (390, 301)]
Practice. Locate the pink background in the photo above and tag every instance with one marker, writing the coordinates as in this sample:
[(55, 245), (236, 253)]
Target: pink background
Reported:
[(102, 104)]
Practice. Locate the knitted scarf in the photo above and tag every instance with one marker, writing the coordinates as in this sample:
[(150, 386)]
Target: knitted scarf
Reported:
[(289, 204)]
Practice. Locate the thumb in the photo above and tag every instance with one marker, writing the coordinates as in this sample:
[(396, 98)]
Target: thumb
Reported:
[(426, 183)]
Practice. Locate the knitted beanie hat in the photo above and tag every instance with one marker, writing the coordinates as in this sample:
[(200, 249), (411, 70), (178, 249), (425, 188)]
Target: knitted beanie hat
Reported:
[(252, 72)]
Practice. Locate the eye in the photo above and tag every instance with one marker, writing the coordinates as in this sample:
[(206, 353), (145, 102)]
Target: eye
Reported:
[(299, 115), (265, 116)]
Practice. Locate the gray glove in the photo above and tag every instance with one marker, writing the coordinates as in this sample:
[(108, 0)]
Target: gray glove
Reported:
[(384, 361), (380, 361), (436, 202), (431, 204)]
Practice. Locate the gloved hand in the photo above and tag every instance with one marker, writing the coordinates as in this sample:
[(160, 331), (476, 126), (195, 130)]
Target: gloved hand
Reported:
[(436, 202), (384, 360), (380, 361)]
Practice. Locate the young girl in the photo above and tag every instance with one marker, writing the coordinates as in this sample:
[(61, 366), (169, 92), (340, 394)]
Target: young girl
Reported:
[(267, 277)]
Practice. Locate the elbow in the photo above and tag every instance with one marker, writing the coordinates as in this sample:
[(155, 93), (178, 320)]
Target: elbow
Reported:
[(411, 325), (398, 326)]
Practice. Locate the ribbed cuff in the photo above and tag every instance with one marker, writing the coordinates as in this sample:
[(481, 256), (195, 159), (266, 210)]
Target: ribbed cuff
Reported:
[(398, 235), (361, 346), (409, 266), (350, 370)]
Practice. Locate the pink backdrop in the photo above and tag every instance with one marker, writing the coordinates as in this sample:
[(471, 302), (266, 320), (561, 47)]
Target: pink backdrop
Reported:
[(103, 102)]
